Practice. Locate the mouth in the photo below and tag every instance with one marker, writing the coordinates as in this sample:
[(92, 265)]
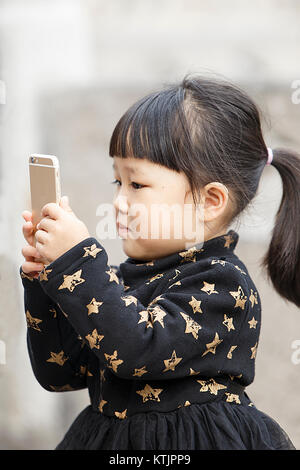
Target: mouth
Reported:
[(122, 228)]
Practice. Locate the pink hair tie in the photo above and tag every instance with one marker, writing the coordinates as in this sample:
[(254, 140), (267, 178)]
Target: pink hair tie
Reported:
[(270, 156)]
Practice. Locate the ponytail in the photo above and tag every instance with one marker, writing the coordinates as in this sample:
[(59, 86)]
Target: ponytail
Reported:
[(282, 260)]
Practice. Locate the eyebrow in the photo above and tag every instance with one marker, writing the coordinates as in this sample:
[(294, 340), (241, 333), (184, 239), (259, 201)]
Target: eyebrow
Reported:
[(129, 168)]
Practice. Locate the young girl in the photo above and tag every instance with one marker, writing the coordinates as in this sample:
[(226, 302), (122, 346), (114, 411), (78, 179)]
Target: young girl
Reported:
[(166, 342)]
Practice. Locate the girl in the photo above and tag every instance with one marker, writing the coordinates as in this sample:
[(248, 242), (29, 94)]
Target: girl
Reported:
[(166, 342)]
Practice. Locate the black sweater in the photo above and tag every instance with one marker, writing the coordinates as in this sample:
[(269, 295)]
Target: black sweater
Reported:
[(145, 336)]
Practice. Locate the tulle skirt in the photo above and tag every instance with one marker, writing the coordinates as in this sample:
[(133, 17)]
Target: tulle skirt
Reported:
[(207, 426)]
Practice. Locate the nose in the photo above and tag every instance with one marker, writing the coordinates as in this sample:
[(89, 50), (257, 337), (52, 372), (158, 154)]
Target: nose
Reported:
[(121, 203)]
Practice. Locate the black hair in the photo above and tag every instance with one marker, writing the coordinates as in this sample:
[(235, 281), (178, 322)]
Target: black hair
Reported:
[(210, 129)]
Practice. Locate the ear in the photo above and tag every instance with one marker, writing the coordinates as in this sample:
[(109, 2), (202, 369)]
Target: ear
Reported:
[(215, 200)]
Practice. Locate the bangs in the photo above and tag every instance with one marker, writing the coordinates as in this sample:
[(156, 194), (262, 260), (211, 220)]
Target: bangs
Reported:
[(154, 128)]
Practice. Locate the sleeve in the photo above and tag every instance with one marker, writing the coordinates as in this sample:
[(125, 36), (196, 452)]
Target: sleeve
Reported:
[(193, 324), (58, 356)]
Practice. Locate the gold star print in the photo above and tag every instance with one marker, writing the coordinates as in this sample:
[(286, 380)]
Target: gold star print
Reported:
[(254, 351), (177, 273), (229, 239), (151, 263), (211, 347), (145, 317), (149, 393), (193, 372), (43, 274), (89, 374), (113, 361), (253, 323), (93, 306), (190, 254), (209, 288), (229, 355), (220, 261), (91, 250), (129, 299), (237, 267), (32, 322), (102, 377), (228, 322), (94, 339), (157, 314), (122, 414), (159, 297), (72, 280), (172, 362), (232, 377), (187, 403), (58, 358), (253, 298), (23, 275), (195, 304), (191, 326), (52, 310), (63, 388), (112, 276), (231, 397), (82, 370), (240, 297), (178, 283), (210, 386), (140, 372), (157, 276), (101, 404), (126, 287)]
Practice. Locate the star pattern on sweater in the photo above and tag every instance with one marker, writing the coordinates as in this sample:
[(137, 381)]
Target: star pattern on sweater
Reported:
[(240, 298), (195, 304), (94, 339), (112, 276), (91, 250), (59, 358), (72, 280), (93, 306), (211, 347), (149, 393), (191, 326), (32, 322), (113, 361), (172, 362), (211, 386)]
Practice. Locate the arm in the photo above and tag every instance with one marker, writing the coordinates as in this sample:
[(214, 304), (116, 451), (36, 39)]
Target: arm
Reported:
[(59, 358), (184, 327)]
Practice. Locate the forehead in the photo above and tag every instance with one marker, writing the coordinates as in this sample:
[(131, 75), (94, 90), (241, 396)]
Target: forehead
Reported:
[(131, 165)]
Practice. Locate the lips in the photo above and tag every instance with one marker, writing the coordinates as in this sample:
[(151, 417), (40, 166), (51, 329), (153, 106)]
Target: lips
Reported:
[(122, 227)]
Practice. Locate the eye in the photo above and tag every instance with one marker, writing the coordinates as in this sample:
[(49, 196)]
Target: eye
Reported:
[(134, 185)]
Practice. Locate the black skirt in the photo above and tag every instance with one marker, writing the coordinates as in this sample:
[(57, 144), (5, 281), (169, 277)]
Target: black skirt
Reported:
[(207, 426)]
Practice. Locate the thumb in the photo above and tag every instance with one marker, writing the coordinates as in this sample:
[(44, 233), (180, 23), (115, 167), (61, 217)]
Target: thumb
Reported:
[(64, 204)]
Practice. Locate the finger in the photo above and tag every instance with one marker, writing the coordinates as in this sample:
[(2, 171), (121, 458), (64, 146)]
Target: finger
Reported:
[(47, 224), (41, 236), (27, 215), (28, 232), (30, 252), (64, 204), (30, 266), (52, 209)]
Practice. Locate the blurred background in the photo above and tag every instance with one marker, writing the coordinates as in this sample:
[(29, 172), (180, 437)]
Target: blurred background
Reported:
[(68, 70)]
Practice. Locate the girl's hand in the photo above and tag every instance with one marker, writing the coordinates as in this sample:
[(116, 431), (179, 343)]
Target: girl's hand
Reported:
[(31, 266), (59, 230)]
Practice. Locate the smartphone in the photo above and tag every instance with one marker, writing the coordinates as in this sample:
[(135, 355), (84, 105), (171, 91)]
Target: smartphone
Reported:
[(45, 185)]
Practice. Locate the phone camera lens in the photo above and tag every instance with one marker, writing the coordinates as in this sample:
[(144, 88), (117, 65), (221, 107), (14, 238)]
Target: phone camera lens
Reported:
[(33, 159)]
